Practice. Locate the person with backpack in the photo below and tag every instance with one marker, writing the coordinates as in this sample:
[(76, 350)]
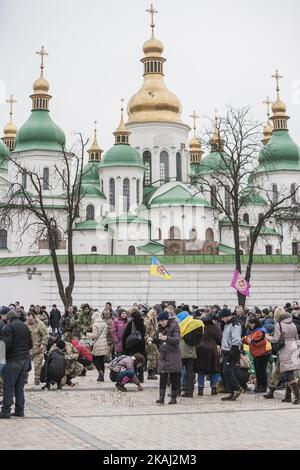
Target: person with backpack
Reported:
[(169, 362), (134, 340), (122, 371)]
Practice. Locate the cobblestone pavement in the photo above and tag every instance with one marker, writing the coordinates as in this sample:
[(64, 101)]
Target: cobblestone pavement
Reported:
[(95, 416)]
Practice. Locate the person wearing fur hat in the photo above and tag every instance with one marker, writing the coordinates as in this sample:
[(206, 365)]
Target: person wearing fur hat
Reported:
[(18, 342), (230, 345), (288, 355), (169, 362)]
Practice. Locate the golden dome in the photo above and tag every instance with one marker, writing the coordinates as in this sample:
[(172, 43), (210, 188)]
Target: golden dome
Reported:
[(153, 46), (41, 85), (194, 144), (268, 130), (10, 130), (278, 107)]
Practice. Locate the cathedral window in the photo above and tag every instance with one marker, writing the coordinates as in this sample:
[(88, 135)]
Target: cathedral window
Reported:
[(112, 194), (246, 218), (147, 163), (90, 212), (46, 178), (126, 195), (94, 249), (164, 166), (293, 194), (269, 249), (137, 191), (174, 233), (3, 239), (274, 193), (155, 66), (159, 234), (209, 235), (178, 167), (131, 250), (295, 249)]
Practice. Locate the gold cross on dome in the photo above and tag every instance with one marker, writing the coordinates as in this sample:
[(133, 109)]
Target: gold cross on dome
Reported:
[(122, 104), (11, 101), (152, 12), (194, 116), (268, 102), (277, 78), (42, 53)]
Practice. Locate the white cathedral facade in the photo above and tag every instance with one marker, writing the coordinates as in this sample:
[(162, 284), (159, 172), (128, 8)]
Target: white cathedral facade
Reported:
[(139, 196)]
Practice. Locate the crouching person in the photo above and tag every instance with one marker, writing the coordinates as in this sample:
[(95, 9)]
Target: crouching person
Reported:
[(73, 367), (54, 368), (122, 371)]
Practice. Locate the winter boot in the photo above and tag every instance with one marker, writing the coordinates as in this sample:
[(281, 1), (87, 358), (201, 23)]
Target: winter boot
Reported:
[(200, 391), (173, 398), (151, 375), (187, 395), (161, 400), (270, 393), (100, 376), (214, 391), (288, 395), (295, 389)]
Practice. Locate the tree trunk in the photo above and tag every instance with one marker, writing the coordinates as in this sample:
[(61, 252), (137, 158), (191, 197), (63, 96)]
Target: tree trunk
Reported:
[(71, 268)]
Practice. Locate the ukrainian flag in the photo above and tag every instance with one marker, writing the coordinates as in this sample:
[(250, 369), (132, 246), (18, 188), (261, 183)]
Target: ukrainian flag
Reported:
[(157, 269)]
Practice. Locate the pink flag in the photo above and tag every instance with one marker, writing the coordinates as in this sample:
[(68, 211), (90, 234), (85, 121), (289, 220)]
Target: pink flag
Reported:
[(240, 284)]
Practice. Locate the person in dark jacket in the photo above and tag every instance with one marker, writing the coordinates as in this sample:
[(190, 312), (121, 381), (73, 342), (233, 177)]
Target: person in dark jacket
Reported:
[(266, 321), (17, 338), (55, 317), (55, 367), (208, 357), (169, 362), (135, 324)]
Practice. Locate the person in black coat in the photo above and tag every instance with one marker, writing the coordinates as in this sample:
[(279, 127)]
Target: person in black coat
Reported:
[(55, 317), (55, 367), (18, 342), (136, 323)]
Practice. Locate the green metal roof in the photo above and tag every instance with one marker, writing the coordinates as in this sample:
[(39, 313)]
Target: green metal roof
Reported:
[(226, 221), (280, 153), (267, 231), (213, 162), (152, 247), (88, 225), (148, 191), (226, 249), (40, 133), (146, 260), (124, 218), (4, 153), (178, 196), (252, 198), (122, 155)]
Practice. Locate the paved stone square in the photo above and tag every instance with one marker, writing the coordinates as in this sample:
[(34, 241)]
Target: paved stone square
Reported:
[(95, 416)]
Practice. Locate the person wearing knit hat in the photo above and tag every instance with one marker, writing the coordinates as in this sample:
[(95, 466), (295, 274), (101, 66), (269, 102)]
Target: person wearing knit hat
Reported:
[(163, 316)]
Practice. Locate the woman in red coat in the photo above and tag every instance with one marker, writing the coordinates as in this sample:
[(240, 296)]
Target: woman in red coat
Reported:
[(118, 327), (208, 359)]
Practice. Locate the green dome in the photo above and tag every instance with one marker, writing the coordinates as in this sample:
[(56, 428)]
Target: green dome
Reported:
[(281, 153), (122, 155), (212, 162), (90, 184), (39, 133), (4, 154)]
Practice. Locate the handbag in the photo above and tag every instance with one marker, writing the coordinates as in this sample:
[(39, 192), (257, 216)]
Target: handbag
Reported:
[(245, 362), (280, 343), (134, 338)]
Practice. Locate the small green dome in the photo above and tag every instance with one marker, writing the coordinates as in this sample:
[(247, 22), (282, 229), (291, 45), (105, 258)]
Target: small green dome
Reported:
[(212, 162), (281, 153), (40, 133), (90, 185), (122, 155), (4, 154)]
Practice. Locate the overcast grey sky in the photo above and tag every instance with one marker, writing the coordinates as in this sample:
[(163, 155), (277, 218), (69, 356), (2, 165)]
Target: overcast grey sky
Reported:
[(217, 51)]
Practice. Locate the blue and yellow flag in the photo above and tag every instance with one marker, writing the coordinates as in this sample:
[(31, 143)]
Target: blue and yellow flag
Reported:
[(157, 269)]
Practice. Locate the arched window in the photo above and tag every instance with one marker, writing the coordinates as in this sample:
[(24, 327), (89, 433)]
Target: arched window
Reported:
[(131, 250), (24, 180), (90, 212), (159, 234), (94, 249), (260, 216), (209, 235), (164, 166), (137, 191), (246, 218), (193, 234), (46, 178), (269, 249), (293, 194), (3, 239), (274, 193), (178, 167), (227, 199), (147, 163), (126, 195), (112, 194), (174, 233), (213, 196)]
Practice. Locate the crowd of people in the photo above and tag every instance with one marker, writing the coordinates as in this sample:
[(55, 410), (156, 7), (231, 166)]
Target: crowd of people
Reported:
[(180, 346)]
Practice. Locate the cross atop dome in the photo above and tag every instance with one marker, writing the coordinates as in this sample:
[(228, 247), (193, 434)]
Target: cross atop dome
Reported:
[(11, 102), (268, 102), (277, 78), (152, 12), (194, 116), (42, 53)]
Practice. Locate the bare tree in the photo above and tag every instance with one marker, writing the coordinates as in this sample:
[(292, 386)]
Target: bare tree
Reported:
[(27, 208), (234, 179)]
